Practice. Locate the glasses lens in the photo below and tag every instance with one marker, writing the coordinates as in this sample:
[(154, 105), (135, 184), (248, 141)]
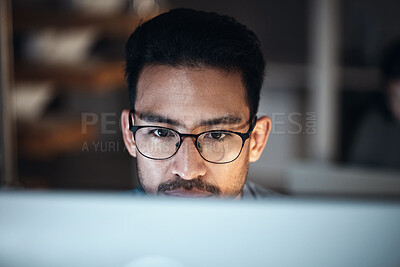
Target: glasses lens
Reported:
[(219, 146), (156, 142)]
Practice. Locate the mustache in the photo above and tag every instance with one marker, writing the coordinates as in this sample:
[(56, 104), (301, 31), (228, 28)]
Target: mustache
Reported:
[(189, 184)]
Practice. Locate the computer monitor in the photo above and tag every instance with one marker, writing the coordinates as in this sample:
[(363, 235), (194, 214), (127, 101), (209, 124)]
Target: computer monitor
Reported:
[(76, 229)]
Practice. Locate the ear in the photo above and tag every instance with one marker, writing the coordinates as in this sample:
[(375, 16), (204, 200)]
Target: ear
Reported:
[(127, 134), (259, 137)]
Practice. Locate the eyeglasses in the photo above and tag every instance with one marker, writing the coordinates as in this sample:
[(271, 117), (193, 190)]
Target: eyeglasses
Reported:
[(216, 146)]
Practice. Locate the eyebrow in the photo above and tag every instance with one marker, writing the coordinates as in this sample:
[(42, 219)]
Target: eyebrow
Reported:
[(154, 117), (225, 120)]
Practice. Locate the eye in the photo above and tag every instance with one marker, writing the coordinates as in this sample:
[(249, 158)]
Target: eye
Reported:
[(162, 132), (216, 135)]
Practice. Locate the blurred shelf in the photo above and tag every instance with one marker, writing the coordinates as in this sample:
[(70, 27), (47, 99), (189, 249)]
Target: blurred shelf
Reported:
[(39, 27), (90, 76), (119, 25), (50, 137)]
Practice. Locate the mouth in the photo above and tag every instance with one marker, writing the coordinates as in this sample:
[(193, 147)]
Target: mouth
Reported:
[(191, 193)]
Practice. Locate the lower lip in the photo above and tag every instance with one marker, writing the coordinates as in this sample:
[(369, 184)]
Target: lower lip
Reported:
[(193, 193)]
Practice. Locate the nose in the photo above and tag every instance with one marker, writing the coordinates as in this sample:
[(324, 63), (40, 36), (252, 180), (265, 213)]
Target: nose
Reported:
[(187, 162)]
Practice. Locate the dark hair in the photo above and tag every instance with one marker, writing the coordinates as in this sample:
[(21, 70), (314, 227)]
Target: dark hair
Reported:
[(190, 38)]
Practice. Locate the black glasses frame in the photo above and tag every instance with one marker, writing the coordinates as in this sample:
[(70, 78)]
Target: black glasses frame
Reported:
[(244, 137)]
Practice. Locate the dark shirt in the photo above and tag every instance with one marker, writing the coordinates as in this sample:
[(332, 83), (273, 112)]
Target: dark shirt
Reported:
[(254, 191)]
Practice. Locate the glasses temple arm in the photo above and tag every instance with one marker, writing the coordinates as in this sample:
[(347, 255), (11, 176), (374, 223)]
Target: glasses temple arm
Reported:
[(253, 124), (131, 112)]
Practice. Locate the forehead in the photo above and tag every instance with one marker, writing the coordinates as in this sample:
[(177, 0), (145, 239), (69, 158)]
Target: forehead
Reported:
[(191, 93)]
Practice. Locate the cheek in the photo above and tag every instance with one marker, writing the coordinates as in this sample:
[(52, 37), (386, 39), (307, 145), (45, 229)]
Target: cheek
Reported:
[(231, 177), (151, 172)]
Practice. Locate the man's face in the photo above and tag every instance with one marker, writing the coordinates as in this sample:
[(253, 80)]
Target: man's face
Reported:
[(189, 97)]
